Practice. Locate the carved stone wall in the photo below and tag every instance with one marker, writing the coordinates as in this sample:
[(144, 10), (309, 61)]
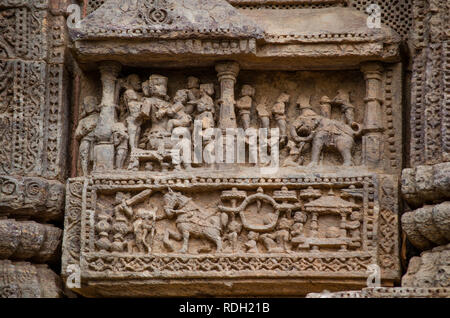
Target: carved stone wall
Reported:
[(322, 212), (426, 184), (33, 144)]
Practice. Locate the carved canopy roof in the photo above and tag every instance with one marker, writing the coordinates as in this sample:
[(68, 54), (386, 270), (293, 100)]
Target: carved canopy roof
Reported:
[(330, 202), (151, 32), (166, 19)]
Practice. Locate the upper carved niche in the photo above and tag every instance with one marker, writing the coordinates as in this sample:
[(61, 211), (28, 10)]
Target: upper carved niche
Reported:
[(175, 122)]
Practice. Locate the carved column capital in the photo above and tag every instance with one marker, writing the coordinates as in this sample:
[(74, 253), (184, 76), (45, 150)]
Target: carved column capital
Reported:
[(228, 69), (372, 70)]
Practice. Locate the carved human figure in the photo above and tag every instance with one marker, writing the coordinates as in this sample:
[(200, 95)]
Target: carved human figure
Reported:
[(121, 226), (244, 105), (279, 113), (348, 110), (298, 230), (263, 114), (120, 139), (234, 229), (144, 229), (205, 106), (136, 112), (193, 86), (85, 132), (157, 105), (300, 130), (251, 244), (179, 116), (325, 107), (190, 221), (353, 226), (277, 242)]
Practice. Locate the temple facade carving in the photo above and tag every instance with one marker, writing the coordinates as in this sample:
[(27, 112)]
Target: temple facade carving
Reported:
[(224, 145)]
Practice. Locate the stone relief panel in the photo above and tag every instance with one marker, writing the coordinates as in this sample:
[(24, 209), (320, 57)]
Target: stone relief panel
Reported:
[(278, 227), (320, 117)]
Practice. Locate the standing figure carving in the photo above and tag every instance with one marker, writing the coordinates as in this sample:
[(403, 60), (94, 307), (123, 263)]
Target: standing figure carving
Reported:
[(279, 113), (244, 105), (136, 113), (120, 138), (85, 132)]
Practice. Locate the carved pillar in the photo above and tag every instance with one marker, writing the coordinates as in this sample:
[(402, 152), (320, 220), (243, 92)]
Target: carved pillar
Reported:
[(109, 72), (373, 126), (104, 149), (227, 74)]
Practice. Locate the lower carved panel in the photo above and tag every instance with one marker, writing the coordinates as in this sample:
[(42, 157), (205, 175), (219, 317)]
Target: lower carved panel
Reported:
[(323, 229)]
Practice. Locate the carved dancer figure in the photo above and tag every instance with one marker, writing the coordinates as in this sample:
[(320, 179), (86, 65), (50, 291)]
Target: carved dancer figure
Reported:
[(120, 139), (189, 222), (177, 111), (205, 106), (85, 131), (279, 113), (244, 105), (144, 229), (263, 114)]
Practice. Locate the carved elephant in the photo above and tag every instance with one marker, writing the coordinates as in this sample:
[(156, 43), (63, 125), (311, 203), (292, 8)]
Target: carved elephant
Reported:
[(331, 134)]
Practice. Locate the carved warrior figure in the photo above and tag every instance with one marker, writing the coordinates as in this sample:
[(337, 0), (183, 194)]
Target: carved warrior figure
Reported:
[(190, 220), (85, 132), (244, 105)]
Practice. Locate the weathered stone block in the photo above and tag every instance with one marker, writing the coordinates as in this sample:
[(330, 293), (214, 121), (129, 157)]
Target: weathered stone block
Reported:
[(24, 280), (29, 197), (27, 240)]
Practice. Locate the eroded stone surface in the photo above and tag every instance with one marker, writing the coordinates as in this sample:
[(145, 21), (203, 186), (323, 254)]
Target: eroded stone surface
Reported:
[(25, 240), (24, 280)]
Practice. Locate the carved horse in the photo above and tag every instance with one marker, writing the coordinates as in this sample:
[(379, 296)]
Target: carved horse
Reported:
[(190, 221)]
